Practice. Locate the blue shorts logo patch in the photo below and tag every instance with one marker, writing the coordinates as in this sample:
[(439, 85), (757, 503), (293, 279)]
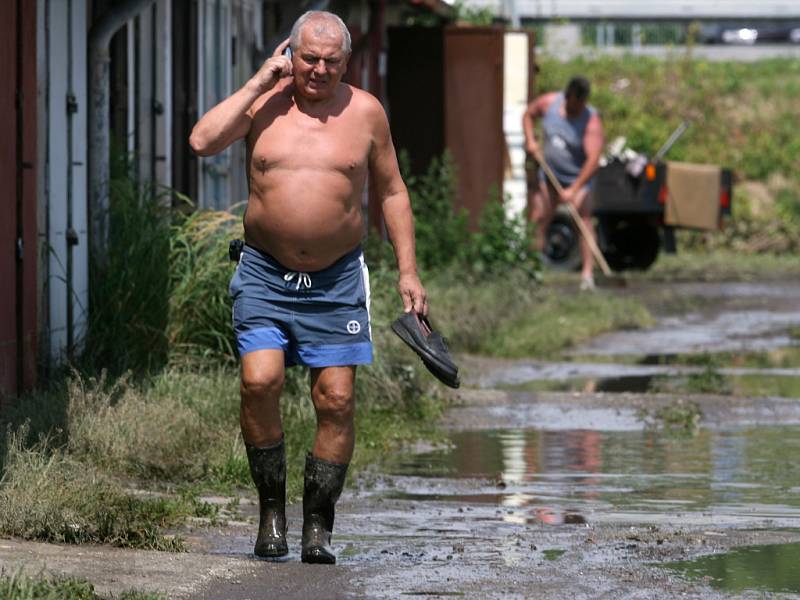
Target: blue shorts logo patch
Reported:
[(353, 327)]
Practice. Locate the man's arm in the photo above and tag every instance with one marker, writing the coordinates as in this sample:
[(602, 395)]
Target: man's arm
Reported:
[(593, 141), (535, 110), (230, 120), (396, 207)]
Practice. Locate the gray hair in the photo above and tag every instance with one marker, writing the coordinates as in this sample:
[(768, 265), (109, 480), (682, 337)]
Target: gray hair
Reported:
[(322, 27)]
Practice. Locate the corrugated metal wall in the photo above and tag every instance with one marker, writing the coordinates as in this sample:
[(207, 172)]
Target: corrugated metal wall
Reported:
[(669, 9), (62, 169)]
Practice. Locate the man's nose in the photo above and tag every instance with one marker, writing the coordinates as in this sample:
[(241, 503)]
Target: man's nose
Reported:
[(320, 67)]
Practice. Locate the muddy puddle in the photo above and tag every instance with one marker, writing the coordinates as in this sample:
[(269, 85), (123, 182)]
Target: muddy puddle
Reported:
[(587, 475), (770, 568), (684, 381), (730, 317), (641, 377)]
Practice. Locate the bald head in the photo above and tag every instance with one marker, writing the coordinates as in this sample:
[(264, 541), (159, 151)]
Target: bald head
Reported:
[(320, 23)]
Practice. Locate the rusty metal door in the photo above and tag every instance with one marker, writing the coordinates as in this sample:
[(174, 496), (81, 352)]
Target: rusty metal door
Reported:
[(17, 196), (473, 92)]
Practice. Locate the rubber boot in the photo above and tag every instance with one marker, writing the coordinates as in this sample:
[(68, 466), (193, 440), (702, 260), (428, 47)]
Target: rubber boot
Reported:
[(322, 487), (268, 469)]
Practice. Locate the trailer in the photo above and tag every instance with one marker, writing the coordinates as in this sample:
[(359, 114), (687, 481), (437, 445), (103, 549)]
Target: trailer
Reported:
[(630, 215)]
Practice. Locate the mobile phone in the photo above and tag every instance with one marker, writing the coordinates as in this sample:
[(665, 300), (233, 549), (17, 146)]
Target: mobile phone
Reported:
[(288, 52)]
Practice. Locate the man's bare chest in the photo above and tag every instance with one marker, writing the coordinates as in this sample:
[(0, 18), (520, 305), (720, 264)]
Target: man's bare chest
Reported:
[(292, 142)]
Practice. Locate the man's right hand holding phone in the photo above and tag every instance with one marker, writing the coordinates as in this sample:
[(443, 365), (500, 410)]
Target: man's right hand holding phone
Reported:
[(276, 67)]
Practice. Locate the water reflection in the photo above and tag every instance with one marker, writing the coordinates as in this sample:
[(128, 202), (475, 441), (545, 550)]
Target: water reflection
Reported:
[(560, 477)]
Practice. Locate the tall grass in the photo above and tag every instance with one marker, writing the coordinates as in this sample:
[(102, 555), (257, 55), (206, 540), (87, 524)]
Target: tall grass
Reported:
[(46, 494), (199, 308), (143, 432), (129, 295)]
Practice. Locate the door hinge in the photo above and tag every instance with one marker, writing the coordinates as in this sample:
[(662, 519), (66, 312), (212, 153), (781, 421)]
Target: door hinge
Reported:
[(72, 104), (20, 249)]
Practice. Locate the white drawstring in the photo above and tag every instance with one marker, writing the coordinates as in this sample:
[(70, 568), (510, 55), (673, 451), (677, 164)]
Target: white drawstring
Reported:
[(302, 279)]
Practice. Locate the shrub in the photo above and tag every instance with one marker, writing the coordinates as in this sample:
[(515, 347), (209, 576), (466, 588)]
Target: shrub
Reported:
[(442, 231), (503, 243)]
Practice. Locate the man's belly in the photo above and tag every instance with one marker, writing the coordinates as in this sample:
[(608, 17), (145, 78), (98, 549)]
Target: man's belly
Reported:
[(305, 227)]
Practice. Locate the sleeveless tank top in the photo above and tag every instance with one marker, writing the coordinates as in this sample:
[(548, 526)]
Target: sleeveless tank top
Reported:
[(563, 140)]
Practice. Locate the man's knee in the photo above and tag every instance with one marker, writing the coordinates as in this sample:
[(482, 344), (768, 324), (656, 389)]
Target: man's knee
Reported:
[(335, 402), (261, 383), (262, 374), (584, 202)]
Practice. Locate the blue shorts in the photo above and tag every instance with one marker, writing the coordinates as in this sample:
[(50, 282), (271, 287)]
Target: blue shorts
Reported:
[(318, 319), (589, 185)]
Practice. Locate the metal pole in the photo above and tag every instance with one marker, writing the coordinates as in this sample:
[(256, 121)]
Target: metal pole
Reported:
[(513, 14), (671, 141)]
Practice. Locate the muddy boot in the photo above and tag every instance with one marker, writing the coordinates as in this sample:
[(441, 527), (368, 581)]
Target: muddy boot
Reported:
[(268, 469), (323, 484)]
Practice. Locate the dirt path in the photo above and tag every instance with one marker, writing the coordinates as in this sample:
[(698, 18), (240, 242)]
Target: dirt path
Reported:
[(534, 494)]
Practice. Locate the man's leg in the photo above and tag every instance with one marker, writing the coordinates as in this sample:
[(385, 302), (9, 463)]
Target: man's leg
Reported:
[(332, 391), (583, 203), (542, 208), (262, 377)]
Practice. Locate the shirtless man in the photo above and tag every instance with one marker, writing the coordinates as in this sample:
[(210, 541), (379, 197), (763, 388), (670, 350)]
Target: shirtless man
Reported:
[(573, 141), (301, 289)]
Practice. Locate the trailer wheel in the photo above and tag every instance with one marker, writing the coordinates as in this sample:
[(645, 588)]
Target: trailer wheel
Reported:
[(562, 243), (629, 242)]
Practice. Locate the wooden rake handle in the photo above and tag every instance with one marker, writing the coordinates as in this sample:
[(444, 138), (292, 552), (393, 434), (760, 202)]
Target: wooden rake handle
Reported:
[(587, 235)]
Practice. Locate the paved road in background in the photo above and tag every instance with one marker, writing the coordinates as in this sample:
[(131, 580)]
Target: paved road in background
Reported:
[(715, 53)]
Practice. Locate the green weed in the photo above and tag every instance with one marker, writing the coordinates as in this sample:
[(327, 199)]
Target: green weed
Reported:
[(22, 587), (708, 381), (720, 266), (143, 432), (554, 322), (680, 417)]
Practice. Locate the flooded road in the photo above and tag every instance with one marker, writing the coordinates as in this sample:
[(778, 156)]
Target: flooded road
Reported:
[(633, 467)]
